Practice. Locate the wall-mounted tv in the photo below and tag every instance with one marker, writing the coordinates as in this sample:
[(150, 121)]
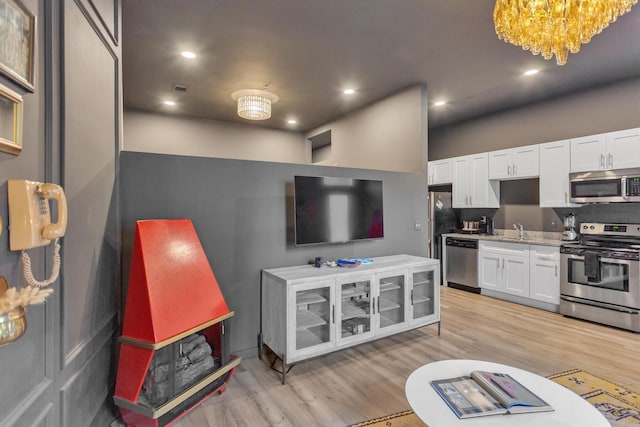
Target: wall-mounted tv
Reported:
[(337, 210)]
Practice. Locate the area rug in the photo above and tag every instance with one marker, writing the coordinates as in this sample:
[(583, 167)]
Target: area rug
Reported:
[(619, 405)]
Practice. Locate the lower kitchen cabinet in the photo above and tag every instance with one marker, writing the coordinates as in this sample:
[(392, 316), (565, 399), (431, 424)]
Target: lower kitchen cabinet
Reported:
[(504, 267), (530, 272), (308, 311), (545, 274)]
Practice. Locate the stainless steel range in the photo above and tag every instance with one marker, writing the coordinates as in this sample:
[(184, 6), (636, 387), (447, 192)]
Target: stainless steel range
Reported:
[(600, 275)]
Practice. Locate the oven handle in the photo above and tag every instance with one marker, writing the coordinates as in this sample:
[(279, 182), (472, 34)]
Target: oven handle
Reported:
[(599, 304), (611, 260)]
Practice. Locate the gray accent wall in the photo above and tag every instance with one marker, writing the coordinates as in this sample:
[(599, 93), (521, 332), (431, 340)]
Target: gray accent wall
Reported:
[(243, 213), (60, 373)]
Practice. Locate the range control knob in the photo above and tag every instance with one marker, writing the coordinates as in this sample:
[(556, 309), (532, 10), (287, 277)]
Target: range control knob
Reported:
[(585, 227), (592, 227)]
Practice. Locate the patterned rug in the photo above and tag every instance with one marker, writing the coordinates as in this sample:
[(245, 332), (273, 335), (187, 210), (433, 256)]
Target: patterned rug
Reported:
[(619, 405)]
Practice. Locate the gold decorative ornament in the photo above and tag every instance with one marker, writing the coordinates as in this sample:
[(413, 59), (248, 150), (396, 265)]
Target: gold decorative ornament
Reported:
[(555, 27), (13, 321)]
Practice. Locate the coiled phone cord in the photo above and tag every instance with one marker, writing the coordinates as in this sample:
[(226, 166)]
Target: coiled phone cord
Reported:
[(55, 269)]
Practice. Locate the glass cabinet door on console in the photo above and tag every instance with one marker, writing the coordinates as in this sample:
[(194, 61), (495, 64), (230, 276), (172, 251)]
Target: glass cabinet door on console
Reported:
[(354, 308), (422, 295), (391, 301), (313, 318)]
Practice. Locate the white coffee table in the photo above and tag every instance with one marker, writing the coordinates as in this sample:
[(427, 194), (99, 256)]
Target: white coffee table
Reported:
[(570, 409)]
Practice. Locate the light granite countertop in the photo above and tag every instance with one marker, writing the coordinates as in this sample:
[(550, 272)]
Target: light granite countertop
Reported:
[(512, 236)]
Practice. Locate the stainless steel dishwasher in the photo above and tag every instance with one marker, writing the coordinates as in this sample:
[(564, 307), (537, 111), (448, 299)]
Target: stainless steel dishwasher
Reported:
[(462, 263)]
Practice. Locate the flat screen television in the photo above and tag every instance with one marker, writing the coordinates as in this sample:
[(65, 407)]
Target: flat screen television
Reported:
[(337, 210)]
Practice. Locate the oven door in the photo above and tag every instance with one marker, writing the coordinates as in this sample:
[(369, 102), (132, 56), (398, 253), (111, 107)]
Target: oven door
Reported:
[(617, 280)]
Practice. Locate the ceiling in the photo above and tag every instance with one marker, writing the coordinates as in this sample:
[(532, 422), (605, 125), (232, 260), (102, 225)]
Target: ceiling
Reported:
[(309, 51)]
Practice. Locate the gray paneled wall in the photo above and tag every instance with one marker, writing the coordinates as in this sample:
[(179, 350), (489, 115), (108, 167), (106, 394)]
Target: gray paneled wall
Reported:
[(242, 212), (60, 372)]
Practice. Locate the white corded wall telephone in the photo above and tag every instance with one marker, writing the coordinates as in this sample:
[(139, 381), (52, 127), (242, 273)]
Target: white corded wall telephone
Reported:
[(30, 223)]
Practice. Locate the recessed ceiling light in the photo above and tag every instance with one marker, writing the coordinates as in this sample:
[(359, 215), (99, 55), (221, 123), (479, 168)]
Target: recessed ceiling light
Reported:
[(188, 54), (170, 103), (439, 103), (292, 121), (531, 72), (349, 91)]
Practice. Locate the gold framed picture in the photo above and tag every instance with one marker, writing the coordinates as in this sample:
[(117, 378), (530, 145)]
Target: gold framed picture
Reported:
[(11, 111), (17, 36)]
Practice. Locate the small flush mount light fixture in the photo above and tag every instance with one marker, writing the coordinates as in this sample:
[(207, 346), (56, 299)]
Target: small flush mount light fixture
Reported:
[(555, 27), (439, 103), (292, 121), (531, 72), (188, 54), (169, 103), (254, 104), (349, 91)]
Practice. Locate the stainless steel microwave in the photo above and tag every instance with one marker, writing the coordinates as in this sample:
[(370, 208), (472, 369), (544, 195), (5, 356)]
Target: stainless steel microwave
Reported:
[(612, 186)]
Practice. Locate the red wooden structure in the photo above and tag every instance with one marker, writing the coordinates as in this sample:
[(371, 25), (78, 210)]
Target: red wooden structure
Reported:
[(172, 294)]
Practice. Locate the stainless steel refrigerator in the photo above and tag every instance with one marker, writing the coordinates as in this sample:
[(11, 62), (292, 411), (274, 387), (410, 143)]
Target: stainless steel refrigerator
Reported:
[(442, 219)]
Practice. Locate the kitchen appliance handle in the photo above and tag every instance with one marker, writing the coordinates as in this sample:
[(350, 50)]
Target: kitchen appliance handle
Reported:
[(623, 187), (598, 304), (611, 260)]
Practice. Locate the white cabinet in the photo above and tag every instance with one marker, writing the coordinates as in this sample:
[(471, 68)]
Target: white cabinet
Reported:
[(354, 309), (424, 296), (471, 186), (308, 311), (504, 267), (544, 282), (310, 316), (440, 172), (391, 301), (555, 161), (614, 150), (514, 163)]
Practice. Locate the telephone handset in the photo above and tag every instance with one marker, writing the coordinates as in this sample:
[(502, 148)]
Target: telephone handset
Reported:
[(30, 223)]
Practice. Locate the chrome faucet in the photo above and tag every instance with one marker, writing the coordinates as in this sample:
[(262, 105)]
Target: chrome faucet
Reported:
[(519, 227)]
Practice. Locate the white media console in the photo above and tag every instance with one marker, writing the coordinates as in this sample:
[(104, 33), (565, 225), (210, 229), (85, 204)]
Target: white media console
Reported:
[(309, 311)]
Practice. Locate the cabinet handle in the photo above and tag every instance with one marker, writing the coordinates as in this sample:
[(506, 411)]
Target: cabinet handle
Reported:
[(411, 296), (470, 201), (556, 268), (602, 161), (466, 200), (378, 305), (610, 160), (333, 313), (515, 170), (509, 170), (566, 197)]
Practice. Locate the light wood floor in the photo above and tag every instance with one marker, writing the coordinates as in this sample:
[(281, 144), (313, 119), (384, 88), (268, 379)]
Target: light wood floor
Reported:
[(367, 381)]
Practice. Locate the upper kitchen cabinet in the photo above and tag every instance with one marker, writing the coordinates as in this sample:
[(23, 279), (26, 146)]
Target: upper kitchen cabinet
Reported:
[(514, 163), (440, 172), (614, 150), (471, 186), (555, 161)]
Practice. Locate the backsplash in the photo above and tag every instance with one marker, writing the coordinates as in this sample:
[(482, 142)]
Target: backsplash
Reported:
[(519, 203)]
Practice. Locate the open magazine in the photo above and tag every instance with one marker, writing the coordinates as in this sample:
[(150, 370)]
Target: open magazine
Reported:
[(488, 393)]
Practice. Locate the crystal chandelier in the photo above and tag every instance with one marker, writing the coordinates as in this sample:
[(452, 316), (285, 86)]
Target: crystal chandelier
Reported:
[(555, 27), (254, 104)]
